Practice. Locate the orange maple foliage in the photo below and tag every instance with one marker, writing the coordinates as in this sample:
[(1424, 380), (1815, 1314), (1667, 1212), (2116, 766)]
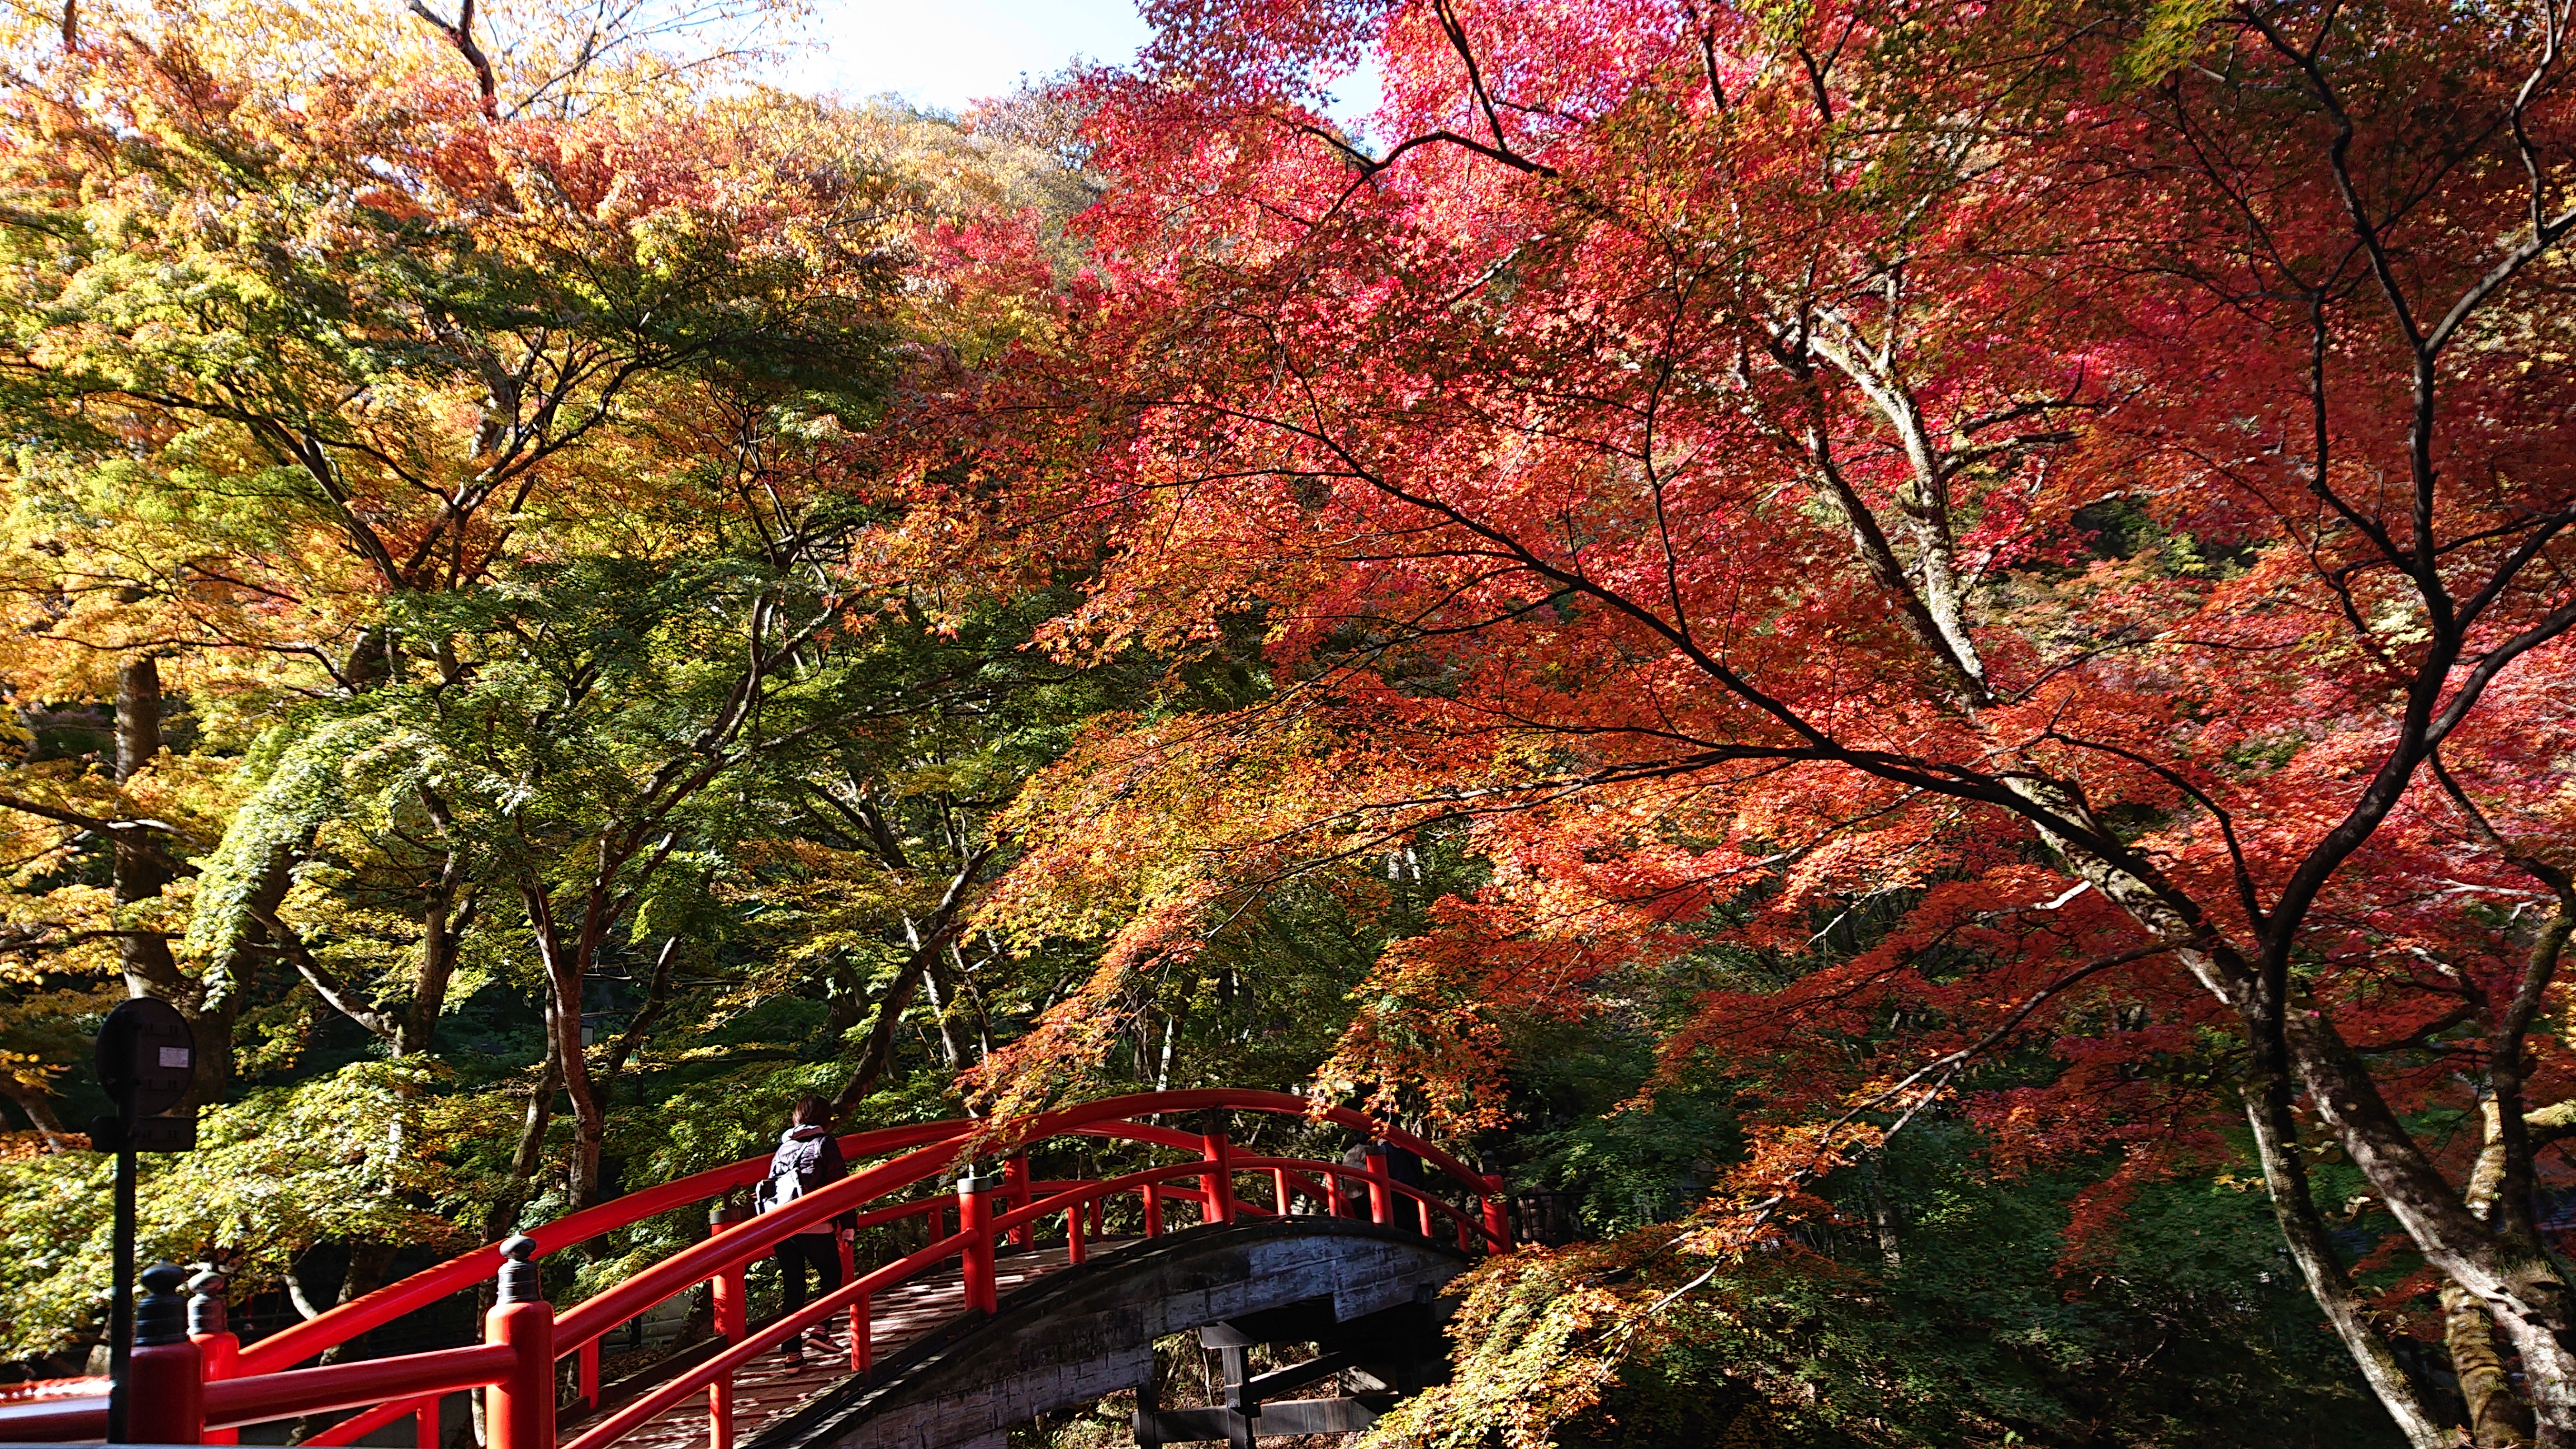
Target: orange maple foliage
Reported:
[(2080, 486)]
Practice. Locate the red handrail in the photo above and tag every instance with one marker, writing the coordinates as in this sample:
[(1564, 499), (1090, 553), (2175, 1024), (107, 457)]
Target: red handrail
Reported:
[(1106, 1187), (685, 1386), (741, 1242), (566, 1347), (262, 1385), (231, 1403), (1110, 1187), (1144, 1104), (357, 1426), (302, 1341), (746, 1241), (615, 1426), (65, 1419)]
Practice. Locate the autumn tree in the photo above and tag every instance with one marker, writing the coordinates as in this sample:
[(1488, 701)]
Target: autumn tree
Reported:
[(2081, 482), (281, 439), (476, 482)]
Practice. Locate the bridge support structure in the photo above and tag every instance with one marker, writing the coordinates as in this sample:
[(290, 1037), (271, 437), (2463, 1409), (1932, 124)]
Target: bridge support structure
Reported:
[(1377, 1359), (1367, 1293)]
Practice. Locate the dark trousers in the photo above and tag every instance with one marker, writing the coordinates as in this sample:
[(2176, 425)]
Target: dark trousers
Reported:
[(822, 1251)]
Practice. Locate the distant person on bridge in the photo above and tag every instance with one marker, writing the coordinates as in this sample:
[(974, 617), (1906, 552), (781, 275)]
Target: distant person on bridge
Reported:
[(1403, 1167), (806, 1159)]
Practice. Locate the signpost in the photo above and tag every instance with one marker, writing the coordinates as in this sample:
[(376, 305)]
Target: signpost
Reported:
[(146, 1059)]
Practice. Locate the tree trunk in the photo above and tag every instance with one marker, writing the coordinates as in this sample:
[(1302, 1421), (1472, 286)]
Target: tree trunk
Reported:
[(879, 1050), (138, 873), (502, 1218), (657, 995), (938, 1008), (138, 714), (589, 1118), (38, 1104), (567, 967), (2499, 1268), (2292, 1050), (442, 935), (943, 925), (364, 1275), (2497, 1417), (948, 1049), (2267, 1111), (1882, 1222), (2524, 1292)]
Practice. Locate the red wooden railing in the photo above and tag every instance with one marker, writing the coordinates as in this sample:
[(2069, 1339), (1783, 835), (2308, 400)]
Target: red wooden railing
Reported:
[(202, 1387)]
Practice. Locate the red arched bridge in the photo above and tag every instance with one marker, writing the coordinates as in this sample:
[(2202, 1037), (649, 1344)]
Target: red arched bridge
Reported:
[(1018, 1305)]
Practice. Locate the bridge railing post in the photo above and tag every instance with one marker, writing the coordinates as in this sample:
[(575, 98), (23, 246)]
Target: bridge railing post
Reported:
[(975, 1220), (1015, 1195), (167, 1371), (1153, 1195), (863, 1332), (860, 1328), (586, 1374), (520, 1410), (1380, 1188), (1498, 1215), (218, 1349), (729, 1291), (1218, 1180)]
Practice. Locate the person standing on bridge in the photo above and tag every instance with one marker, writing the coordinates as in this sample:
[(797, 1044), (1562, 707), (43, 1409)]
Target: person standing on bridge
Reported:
[(1403, 1168), (806, 1159)]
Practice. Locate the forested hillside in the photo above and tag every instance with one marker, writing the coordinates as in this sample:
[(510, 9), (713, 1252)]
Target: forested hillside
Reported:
[(1912, 660)]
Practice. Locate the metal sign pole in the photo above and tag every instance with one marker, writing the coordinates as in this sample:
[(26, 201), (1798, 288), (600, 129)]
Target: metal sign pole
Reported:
[(120, 1329), (146, 1058)]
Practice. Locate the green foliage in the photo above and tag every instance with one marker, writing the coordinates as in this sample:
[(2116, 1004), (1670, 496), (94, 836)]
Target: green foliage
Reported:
[(298, 778), (353, 1156), (1931, 1298)]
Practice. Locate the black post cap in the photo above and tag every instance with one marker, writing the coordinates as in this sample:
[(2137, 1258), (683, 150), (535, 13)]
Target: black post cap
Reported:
[(522, 1281), (162, 1316), (206, 1302)]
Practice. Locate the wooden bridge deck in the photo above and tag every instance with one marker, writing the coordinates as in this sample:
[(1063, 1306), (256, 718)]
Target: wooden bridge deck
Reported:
[(768, 1388)]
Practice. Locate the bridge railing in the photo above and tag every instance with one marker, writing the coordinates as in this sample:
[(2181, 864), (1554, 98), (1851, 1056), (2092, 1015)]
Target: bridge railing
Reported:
[(204, 1386)]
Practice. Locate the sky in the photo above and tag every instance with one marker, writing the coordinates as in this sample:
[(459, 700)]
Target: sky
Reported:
[(947, 54)]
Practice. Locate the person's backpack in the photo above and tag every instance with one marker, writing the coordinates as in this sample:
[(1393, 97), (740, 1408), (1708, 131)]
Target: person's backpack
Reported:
[(778, 1190), (792, 1172)]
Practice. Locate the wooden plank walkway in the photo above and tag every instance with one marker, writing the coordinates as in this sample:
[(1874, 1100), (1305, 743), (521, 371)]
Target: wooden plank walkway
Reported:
[(767, 1388)]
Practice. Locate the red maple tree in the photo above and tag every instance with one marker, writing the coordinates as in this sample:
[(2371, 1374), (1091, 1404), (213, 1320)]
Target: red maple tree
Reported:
[(2087, 481)]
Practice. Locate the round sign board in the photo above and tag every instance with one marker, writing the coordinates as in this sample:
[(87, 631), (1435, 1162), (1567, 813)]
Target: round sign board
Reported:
[(146, 1056)]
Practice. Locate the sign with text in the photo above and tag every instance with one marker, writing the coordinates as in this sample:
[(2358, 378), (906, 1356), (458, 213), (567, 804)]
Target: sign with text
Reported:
[(147, 1056)]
